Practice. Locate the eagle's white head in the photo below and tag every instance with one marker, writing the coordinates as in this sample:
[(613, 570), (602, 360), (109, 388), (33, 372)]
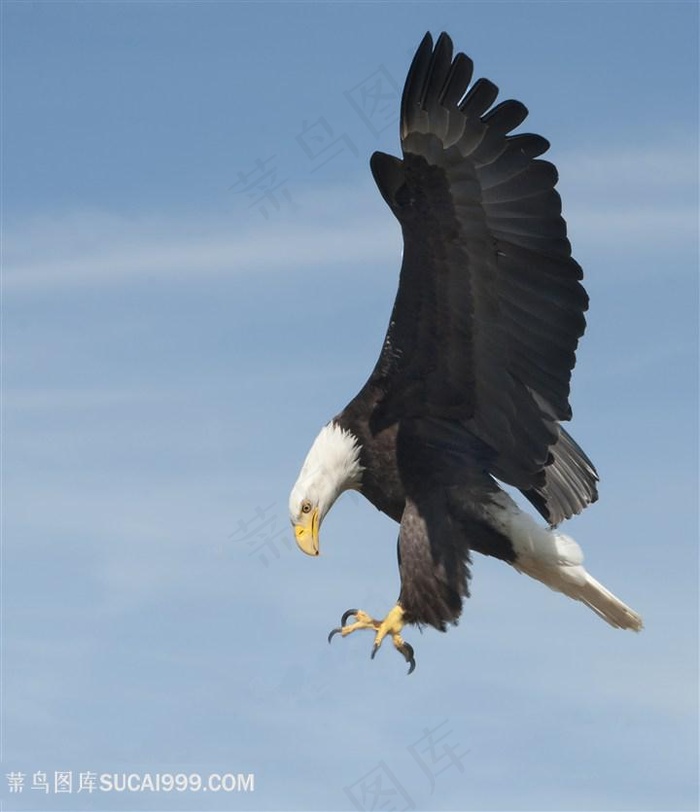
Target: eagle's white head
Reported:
[(331, 467)]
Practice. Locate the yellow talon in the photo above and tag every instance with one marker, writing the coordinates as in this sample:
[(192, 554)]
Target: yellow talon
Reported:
[(392, 624)]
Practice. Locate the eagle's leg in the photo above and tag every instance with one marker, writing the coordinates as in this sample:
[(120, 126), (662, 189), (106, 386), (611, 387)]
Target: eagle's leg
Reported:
[(391, 625)]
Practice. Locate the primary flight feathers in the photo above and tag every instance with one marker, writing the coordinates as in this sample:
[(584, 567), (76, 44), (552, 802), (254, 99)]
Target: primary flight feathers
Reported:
[(490, 305)]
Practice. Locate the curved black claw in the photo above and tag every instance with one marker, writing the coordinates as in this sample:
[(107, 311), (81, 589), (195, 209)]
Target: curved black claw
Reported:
[(346, 615), (407, 651), (343, 621)]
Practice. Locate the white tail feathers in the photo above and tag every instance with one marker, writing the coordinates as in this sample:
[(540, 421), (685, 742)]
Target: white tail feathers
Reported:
[(610, 608), (557, 561), (574, 581)]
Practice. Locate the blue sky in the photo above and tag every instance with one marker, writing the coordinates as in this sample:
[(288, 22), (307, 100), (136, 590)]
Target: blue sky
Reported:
[(197, 274)]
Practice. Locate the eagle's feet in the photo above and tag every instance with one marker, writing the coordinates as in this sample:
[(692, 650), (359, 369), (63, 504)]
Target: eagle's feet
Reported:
[(392, 624)]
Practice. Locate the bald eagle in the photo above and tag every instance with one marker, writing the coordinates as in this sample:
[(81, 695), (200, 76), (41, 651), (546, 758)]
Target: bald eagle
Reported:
[(472, 383)]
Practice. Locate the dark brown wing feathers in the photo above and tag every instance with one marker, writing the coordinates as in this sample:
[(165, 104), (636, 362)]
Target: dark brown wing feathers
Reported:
[(490, 305)]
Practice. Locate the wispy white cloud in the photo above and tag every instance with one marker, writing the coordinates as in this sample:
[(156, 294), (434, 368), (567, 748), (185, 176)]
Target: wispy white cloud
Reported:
[(650, 167), (642, 196), (631, 197), (67, 399), (631, 227), (97, 248)]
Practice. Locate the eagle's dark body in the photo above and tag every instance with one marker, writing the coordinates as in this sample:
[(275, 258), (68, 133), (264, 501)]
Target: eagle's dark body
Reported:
[(398, 464), (433, 480)]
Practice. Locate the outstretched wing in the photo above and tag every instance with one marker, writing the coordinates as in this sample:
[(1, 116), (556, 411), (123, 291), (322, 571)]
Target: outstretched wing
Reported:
[(490, 305)]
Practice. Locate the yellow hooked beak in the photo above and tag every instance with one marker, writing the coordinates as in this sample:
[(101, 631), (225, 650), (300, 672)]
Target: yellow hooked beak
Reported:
[(306, 532)]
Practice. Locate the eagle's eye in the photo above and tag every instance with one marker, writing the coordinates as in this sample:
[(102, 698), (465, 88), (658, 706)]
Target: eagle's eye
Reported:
[(305, 506)]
